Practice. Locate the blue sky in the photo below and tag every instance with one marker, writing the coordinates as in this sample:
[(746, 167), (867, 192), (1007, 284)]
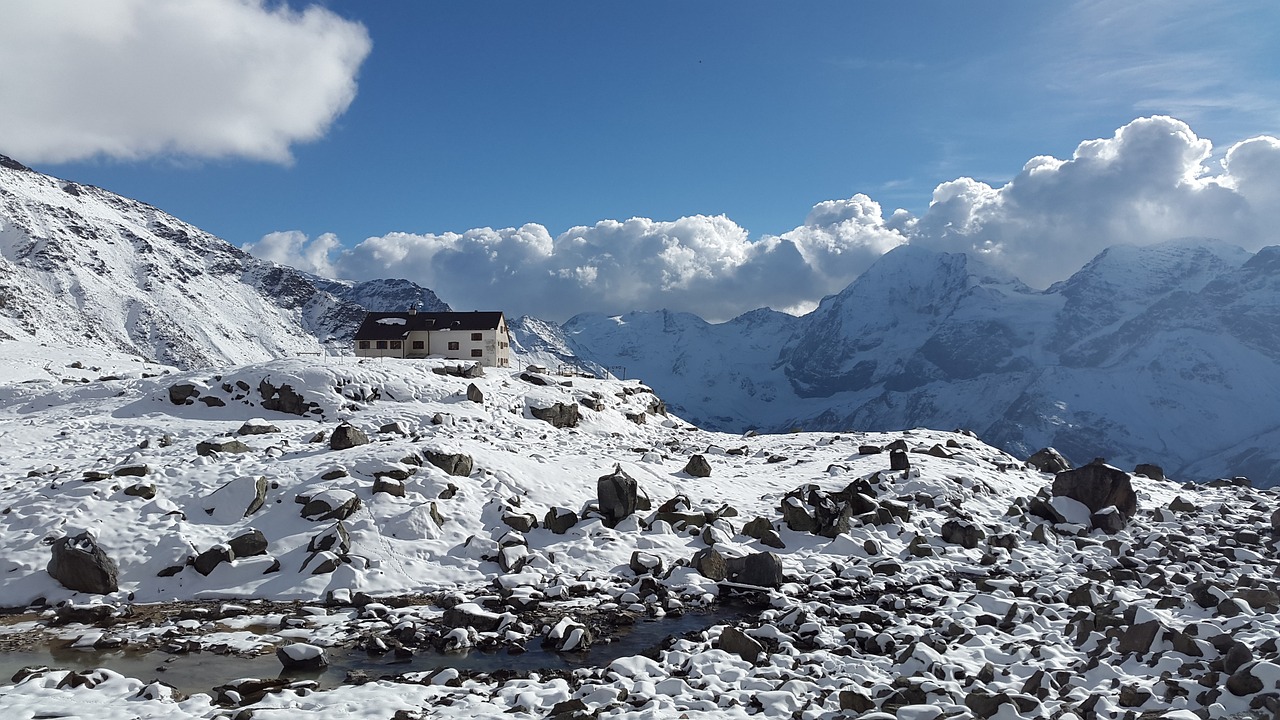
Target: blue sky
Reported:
[(497, 114)]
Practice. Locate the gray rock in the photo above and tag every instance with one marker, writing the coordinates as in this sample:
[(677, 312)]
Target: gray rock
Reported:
[(393, 428), (282, 399), (643, 563), (698, 466), (965, 534), (898, 460), (1138, 638), (617, 493), (314, 659), (221, 445), (1048, 460), (332, 505), (560, 415), (558, 520), (522, 522), (258, 428), (183, 393), (732, 640), (1109, 521), (146, 491), (206, 561), (79, 564), (1243, 682), (710, 564), (347, 436), (389, 486), (1155, 472), (474, 394), (248, 544), (1098, 485), (456, 464), (759, 569)]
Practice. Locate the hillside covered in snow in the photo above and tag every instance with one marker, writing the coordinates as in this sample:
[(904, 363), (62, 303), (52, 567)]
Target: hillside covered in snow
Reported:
[(416, 517), (1168, 352), (81, 266)]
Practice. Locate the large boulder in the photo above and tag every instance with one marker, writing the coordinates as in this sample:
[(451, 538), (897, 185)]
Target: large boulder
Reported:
[(1048, 460), (618, 495), (759, 569), (282, 399), (560, 415), (79, 564), (347, 436), (183, 393), (332, 504), (453, 463), (302, 656), (1098, 485), (221, 444), (698, 466)]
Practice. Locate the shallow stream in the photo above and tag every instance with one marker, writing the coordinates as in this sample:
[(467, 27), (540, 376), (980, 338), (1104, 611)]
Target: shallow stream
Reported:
[(202, 671)]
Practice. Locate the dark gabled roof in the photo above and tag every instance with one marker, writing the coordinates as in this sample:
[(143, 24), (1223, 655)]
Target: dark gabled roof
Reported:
[(372, 329)]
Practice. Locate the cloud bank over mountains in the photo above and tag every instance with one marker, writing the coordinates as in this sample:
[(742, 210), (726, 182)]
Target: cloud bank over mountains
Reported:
[(1153, 180), (134, 79)]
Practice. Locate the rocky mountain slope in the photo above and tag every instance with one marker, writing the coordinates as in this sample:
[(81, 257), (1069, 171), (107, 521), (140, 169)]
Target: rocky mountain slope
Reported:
[(423, 521), (83, 267), (1168, 353)]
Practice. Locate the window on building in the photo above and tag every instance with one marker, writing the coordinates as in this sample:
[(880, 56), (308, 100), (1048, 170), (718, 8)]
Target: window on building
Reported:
[(419, 345), (364, 344), (396, 344), (477, 336), (477, 353), (453, 346), (382, 344)]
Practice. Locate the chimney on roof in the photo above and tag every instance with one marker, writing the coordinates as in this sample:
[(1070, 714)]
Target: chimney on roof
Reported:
[(413, 309)]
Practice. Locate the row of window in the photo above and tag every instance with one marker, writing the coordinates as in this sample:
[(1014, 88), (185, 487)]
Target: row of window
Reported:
[(417, 345)]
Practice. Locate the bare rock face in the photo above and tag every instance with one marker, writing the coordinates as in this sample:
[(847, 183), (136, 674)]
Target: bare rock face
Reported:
[(79, 564), (1098, 486)]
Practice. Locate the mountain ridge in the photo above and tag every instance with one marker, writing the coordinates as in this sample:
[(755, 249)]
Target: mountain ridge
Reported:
[(81, 265)]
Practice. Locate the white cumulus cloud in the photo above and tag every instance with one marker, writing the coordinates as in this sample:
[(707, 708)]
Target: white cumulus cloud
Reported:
[(132, 79), (1149, 182)]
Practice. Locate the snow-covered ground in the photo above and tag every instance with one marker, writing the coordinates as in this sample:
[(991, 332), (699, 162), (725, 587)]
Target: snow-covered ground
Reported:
[(942, 596)]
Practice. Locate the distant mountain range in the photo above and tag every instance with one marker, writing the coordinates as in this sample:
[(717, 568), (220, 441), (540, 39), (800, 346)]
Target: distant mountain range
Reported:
[(1167, 354)]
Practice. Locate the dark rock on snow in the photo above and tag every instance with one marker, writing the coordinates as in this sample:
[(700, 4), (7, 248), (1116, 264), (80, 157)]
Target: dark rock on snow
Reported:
[(78, 563)]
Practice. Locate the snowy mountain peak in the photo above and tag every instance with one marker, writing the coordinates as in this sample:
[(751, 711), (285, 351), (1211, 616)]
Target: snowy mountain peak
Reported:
[(83, 266)]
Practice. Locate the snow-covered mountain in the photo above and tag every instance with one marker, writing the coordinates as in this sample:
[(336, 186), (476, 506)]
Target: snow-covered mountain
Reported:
[(1167, 353), (80, 266)]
